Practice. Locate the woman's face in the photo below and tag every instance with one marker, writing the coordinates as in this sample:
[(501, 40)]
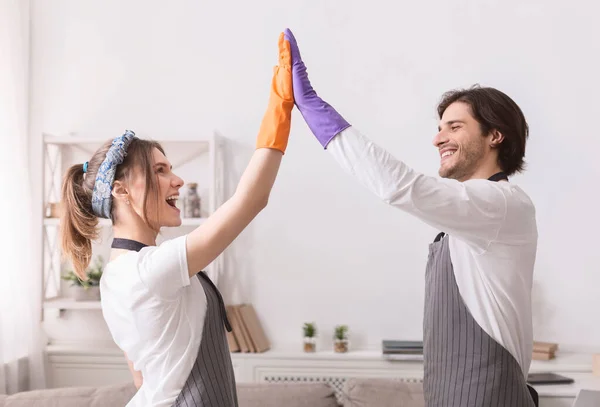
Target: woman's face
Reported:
[(164, 211)]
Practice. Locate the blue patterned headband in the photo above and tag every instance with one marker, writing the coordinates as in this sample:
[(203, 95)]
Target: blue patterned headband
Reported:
[(102, 197)]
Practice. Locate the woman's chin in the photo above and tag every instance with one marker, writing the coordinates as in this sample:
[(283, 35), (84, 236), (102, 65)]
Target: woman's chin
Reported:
[(174, 222), (170, 221), (172, 217)]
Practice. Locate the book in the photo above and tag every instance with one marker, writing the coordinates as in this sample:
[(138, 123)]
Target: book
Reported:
[(548, 378), (546, 347), (236, 329), (403, 352), (396, 347), (244, 330), (544, 350), (247, 331), (232, 342), (542, 356), (254, 328), (394, 344)]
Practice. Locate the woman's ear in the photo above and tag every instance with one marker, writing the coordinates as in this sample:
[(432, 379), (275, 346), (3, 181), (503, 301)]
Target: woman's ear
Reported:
[(119, 191), (496, 139)]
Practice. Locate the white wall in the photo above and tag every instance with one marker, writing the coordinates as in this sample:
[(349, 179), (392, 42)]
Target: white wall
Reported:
[(325, 250)]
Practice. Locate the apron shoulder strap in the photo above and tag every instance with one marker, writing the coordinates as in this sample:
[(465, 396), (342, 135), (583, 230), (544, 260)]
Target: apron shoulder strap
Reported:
[(202, 276), (499, 176), (127, 244)]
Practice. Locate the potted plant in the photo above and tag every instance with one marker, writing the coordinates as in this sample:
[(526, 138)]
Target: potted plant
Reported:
[(310, 334), (340, 339), (88, 290)]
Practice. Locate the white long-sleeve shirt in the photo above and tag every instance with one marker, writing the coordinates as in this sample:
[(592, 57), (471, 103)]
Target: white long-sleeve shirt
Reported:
[(492, 234)]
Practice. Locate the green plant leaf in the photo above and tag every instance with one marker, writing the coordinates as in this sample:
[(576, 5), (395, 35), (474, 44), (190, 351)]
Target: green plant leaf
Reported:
[(310, 329), (341, 332)]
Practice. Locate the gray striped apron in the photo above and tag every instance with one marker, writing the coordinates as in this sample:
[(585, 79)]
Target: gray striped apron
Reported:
[(464, 366), (211, 382)]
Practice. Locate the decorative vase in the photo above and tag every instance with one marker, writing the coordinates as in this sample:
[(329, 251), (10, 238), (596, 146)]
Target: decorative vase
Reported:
[(191, 201), (78, 293), (340, 345), (310, 344)]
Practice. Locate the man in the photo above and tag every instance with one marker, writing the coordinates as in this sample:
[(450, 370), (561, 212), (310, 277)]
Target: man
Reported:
[(477, 322)]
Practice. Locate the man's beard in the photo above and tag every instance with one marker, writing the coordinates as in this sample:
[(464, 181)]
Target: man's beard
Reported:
[(466, 166)]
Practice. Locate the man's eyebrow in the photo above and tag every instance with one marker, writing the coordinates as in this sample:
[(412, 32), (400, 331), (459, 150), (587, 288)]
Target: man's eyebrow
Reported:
[(450, 123)]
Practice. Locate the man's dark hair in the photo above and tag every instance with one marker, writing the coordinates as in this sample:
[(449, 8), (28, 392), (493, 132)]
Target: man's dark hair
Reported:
[(494, 110)]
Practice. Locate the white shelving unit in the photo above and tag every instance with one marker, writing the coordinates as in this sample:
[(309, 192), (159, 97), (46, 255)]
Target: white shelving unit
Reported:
[(195, 159), (70, 304)]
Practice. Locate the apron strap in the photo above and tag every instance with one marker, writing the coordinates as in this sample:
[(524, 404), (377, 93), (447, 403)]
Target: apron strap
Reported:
[(534, 395), (203, 275), (439, 237), (499, 176), (134, 245), (127, 244)]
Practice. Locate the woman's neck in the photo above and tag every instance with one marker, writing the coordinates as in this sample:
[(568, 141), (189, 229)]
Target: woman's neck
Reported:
[(139, 233)]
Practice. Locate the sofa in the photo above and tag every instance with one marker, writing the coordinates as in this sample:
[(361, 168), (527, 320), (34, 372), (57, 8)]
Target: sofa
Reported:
[(356, 393)]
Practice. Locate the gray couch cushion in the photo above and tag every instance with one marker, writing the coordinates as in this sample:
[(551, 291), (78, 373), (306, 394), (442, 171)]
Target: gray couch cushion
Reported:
[(286, 394), (382, 393), (249, 395), (106, 396)]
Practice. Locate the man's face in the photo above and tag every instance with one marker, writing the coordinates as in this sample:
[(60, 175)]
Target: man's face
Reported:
[(461, 144)]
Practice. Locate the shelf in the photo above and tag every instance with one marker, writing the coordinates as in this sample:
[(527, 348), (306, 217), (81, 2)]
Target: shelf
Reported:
[(69, 303), (566, 363), (354, 354), (107, 222)]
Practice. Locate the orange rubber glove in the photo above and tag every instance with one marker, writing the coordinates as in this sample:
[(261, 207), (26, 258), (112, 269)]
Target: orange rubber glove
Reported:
[(275, 127)]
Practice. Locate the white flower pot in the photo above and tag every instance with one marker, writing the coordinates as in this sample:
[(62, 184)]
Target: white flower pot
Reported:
[(79, 293)]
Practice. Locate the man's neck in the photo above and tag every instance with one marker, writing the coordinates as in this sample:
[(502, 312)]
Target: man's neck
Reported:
[(484, 172)]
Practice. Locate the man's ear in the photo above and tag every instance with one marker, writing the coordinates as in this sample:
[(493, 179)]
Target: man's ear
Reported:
[(119, 191), (496, 138)]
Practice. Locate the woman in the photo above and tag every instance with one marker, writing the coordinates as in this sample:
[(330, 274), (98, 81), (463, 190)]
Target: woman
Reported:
[(169, 324)]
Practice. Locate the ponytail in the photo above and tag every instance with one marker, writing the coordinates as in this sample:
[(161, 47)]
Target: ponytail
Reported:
[(78, 224)]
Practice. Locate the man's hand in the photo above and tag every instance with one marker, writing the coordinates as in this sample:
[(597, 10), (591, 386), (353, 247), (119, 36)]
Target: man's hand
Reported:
[(322, 119)]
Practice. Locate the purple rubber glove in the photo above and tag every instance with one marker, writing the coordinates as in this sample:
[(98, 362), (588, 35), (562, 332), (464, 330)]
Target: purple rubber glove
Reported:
[(322, 119)]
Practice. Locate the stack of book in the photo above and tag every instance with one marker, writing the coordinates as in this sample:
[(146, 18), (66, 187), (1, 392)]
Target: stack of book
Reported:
[(247, 334), (395, 347), (544, 350)]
